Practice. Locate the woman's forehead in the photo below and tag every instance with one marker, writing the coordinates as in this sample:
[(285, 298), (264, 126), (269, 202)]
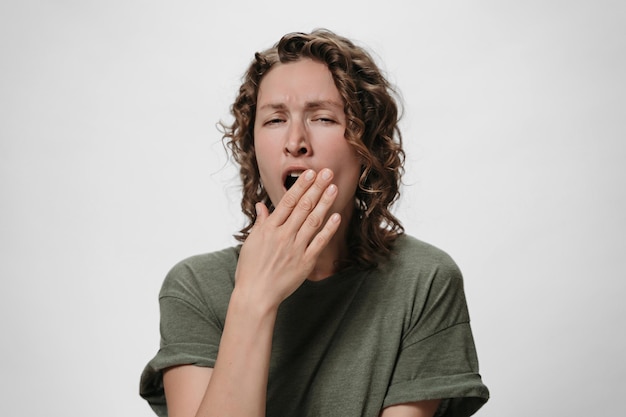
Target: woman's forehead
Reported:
[(303, 81)]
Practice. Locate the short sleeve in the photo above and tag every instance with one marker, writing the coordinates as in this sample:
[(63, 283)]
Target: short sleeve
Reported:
[(437, 358), (192, 309)]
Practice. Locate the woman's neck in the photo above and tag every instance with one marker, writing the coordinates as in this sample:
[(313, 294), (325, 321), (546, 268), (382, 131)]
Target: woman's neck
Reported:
[(336, 250)]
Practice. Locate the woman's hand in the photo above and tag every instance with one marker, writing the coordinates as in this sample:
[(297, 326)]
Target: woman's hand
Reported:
[(283, 247), (278, 255)]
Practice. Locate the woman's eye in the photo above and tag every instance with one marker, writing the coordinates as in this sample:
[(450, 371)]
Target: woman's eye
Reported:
[(324, 120), (274, 121)]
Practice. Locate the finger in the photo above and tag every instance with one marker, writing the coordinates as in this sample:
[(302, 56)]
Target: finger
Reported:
[(315, 220), (261, 213), (321, 240), (289, 201), (309, 202)]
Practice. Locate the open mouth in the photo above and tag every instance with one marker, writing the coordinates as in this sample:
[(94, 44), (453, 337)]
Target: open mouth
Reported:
[(291, 178)]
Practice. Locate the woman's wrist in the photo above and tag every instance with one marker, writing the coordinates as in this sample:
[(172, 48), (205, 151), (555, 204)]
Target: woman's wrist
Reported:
[(252, 305)]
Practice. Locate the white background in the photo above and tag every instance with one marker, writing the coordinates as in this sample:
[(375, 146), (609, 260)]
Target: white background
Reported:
[(112, 170)]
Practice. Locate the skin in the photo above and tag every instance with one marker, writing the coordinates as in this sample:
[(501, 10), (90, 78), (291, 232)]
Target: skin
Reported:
[(300, 125)]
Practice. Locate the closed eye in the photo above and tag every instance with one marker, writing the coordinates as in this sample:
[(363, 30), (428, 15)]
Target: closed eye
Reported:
[(274, 121), (324, 120)]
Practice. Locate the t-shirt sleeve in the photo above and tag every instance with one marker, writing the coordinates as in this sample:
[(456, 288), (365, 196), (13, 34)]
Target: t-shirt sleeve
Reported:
[(190, 326), (437, 358)]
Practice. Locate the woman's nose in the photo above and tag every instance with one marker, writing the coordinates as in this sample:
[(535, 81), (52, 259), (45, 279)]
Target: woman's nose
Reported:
[(297, 141)]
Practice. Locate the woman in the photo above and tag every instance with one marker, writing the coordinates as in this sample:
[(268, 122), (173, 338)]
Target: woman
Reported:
[(327, 308)]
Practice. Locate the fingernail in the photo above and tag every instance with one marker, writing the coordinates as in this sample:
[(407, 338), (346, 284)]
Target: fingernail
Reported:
[(335, 217), (326, 174), (309, 175), (332, 188)]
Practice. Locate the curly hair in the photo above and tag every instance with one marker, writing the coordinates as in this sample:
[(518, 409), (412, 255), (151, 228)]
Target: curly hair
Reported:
[(372, 117)]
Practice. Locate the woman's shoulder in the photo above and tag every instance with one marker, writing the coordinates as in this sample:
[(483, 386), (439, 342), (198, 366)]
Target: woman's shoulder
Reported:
[(413, 259), (417, 270), (413, 251), (202, 272), (224, 258)]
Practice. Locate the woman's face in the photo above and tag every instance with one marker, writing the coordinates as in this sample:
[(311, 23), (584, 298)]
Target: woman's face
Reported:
[(300, 124)]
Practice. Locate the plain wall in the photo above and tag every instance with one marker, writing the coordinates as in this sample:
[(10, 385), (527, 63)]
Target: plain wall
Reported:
[(112, 170)]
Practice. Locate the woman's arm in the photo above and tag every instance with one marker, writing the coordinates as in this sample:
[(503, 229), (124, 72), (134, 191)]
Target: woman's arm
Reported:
[(237, 385), (276, 258), (185, 387), (416, 409)]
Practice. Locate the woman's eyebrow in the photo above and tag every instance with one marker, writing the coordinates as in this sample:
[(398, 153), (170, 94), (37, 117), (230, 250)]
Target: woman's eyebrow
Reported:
[(309, 105), (312, 105), (273, 106)]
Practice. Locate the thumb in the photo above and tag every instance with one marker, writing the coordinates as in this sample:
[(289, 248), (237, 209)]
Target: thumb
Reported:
[(262, 213)]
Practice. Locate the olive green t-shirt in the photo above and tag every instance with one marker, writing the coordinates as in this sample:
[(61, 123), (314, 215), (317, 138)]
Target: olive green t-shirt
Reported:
[(346, 346)]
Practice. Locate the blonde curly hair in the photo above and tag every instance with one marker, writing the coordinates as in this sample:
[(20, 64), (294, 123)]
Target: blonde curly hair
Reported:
[(372, 116)]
